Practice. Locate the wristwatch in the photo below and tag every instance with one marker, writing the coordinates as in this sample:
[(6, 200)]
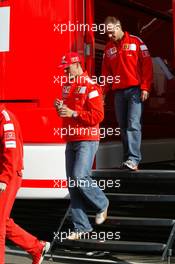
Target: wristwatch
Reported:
[(75, 114)]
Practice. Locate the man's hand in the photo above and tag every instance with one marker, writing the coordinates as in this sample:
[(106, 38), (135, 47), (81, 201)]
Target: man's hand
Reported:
[(3, 186), (65, 111), (144, 95), (58, 103)]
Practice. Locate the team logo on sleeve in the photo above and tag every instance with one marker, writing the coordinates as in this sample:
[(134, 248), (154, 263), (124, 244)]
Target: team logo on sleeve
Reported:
[(144, 50), (93, 94), (9, 135), (10, 144), (9, 127), (9, 139)]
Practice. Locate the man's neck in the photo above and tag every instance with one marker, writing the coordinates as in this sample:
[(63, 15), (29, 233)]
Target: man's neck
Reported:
[(120, 37)]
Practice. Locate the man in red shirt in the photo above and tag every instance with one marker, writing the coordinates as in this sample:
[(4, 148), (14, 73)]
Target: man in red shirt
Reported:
[(82, 111), (11, 169), (127, 60)]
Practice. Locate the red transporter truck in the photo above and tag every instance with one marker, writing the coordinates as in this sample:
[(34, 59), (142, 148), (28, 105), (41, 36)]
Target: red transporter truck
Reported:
[(33, 37)]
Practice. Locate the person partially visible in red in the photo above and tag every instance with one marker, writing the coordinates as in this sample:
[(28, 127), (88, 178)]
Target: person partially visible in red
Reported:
[(127, 60), (11, 170)]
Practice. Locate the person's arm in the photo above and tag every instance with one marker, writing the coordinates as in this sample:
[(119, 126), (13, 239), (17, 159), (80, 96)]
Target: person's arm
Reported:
[(8, 151), (146, 68), (95, 108)]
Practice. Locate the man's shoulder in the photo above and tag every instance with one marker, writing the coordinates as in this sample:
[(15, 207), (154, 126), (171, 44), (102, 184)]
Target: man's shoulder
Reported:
[(84, 79), (6, 121), (8, 118), (139, 42), (5, 115), (89, 81), (92, 85), (88, 84)]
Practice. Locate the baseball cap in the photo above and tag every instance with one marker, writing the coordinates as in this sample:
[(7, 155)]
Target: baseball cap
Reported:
[(68, 59)]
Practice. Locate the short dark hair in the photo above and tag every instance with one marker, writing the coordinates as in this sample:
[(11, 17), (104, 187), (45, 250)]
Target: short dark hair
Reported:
[(112, 20)]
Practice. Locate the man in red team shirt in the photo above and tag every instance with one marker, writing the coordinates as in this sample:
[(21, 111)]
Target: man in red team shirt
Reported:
[(82, 111), (127, 60), (11, 166)]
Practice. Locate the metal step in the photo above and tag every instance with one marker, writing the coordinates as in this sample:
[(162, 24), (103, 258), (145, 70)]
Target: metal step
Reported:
[(89, 257), (120, 197), (137, 221), (106, 257), (141, 174), (117, 246)]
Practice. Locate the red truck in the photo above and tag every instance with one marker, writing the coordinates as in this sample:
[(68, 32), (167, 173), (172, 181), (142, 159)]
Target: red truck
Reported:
[(33, 37)]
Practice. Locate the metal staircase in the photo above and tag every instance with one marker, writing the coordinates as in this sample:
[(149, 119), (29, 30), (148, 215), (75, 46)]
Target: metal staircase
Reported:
[(137, 211)]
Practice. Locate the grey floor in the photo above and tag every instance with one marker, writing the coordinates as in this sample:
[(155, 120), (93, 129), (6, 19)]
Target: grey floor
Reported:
[(120, 259)]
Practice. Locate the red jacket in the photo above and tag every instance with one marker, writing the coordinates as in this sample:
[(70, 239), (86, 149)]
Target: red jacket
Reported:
[(84, 96), (11, 144), (128, 62)]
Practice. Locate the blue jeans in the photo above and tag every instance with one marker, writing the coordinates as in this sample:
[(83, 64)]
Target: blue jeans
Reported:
[(128, 109), (79, 160)]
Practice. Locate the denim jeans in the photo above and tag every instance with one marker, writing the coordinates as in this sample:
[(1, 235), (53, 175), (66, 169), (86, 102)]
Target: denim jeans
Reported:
[(79, 160), (128, 109)]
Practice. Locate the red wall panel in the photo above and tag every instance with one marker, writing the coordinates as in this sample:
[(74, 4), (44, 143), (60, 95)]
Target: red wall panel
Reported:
[(27, 71)]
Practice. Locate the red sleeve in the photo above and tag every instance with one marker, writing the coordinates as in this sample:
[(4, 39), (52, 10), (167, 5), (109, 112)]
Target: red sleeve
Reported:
[(8, 151), (106, 71), (94, 112), (146, 67)]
